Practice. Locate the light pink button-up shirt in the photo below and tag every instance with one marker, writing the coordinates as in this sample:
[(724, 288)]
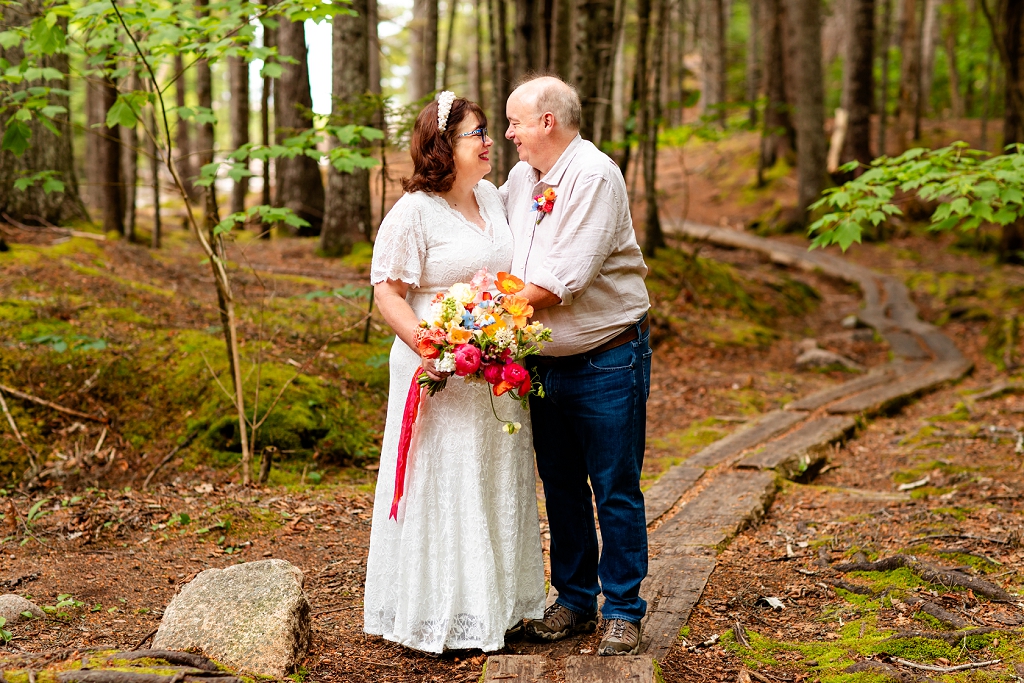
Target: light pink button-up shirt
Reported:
[(584, 251)]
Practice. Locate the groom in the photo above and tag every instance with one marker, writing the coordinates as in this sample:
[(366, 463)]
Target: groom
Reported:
[(575, 247)]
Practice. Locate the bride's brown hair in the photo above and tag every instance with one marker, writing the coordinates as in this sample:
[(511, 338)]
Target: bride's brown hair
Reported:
[(432, 150)]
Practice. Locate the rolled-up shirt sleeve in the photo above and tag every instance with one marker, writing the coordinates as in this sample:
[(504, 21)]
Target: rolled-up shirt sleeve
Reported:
[(585, 238)]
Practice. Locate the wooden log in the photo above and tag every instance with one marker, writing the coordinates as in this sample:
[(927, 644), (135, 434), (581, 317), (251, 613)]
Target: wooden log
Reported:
[(770, 424), (673, 586), (100, 676), (638, 669), (880, 375), (516, 669), (942, 346), (669, 488), (891, 396), (807, 445)]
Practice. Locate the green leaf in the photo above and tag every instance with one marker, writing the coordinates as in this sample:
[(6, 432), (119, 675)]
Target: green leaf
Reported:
[(271, 70), (52, 185), (121, 114), (51, 110), (16, 138)]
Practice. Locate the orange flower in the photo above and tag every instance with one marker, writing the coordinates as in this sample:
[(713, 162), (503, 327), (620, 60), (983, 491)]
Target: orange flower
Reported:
[(508, 283), (549, 194), (457, 335), (490, 330), (519, 308), (502, 387)]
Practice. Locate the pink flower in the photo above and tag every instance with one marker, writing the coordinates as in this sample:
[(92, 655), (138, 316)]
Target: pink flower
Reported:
[(514, 373), (467, 360), (492, 373)]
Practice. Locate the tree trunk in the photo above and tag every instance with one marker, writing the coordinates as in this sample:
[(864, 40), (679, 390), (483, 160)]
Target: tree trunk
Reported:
[(929, 37), (373, 66), (778, 136), (110, 164), (156, 236), (299, 184), (595, 47), (239, 76), (859, 84), (446, 74), (269, 39), (183, 133), (809, 110), (674, 67), (93, 120), (561, 51), (524, 50), (713, 19), (475, 73), (347, 219), (423, 48), (46, 151), (956, 98), (204, 98), (883, 99), (753, 65), (654, 239), (910, 80), (130, 167), (1007, 23), (503, 153)]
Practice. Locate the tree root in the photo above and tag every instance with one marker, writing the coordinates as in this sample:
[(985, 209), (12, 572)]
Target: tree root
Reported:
[(851, 587), (946, 617), (951, 637), (942, 576), (182, 658)]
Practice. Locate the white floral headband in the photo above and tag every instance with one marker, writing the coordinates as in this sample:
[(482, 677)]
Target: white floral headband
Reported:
[(444, 108)]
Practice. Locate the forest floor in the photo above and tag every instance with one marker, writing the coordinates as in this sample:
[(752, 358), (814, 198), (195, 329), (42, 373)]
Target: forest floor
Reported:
[(90, 538)]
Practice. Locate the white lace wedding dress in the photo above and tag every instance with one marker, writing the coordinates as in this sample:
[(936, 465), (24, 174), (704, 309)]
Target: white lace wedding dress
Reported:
[(462, 563)]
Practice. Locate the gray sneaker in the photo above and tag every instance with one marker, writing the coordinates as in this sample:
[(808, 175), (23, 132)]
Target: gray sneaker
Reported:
[(560, 622), (621, 637)]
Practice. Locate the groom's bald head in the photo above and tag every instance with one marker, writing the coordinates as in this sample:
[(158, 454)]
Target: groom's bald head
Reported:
[(549, 95)]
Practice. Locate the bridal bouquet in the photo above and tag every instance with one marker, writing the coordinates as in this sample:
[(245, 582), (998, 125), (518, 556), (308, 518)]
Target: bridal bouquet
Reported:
[(479, 337)]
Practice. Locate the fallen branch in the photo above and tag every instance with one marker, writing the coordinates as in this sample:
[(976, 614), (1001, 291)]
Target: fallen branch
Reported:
[(167, 459), (68, 231), (54, 406), (33, 457), (946, 669), (871, 666), (143, 641), (740, 634), (937, 575)]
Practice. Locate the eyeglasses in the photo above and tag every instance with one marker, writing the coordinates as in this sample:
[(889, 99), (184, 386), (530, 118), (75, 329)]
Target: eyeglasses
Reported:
[(482, 132)]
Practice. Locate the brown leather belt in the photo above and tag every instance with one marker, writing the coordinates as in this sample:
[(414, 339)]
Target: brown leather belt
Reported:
[(627, 335)]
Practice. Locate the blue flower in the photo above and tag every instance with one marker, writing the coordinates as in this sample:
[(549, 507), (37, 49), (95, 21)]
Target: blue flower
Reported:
[(467, 321)]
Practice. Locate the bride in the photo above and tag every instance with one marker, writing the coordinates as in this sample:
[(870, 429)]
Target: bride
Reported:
[(461, 565)]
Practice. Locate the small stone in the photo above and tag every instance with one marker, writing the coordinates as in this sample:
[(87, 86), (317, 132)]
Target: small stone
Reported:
[(851, 322), (252, 617), (11, 607)]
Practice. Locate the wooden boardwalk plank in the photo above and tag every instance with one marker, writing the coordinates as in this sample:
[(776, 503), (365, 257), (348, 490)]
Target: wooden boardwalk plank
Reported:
[(905, 345), (594, 669), (669, 488), (880, 375), (673, 587), (890, 396), (806, 446), (733, 445), (733, 500), (516, 669)]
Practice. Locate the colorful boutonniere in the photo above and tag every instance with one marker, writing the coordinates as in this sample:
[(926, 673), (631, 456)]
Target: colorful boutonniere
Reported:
[(544, 203)]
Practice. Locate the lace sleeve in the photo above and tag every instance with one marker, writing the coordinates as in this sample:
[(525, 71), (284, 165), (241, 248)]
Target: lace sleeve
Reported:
[(400, 249)]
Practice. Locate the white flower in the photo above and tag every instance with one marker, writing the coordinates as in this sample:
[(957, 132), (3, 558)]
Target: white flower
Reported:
[(512, 427), (462, 293), (504, 337), (446, 363)]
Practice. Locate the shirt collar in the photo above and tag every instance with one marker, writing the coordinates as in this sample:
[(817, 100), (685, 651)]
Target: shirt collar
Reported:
[(554, 175)]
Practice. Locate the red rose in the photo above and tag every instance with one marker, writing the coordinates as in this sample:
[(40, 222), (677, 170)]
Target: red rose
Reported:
[(492, 373), (514, 373)]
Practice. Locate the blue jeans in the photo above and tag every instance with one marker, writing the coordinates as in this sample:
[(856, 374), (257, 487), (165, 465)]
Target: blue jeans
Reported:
[(591, 424)]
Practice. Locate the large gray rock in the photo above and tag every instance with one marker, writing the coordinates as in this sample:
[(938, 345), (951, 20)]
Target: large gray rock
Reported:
[(253, 617), (11, 607)]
